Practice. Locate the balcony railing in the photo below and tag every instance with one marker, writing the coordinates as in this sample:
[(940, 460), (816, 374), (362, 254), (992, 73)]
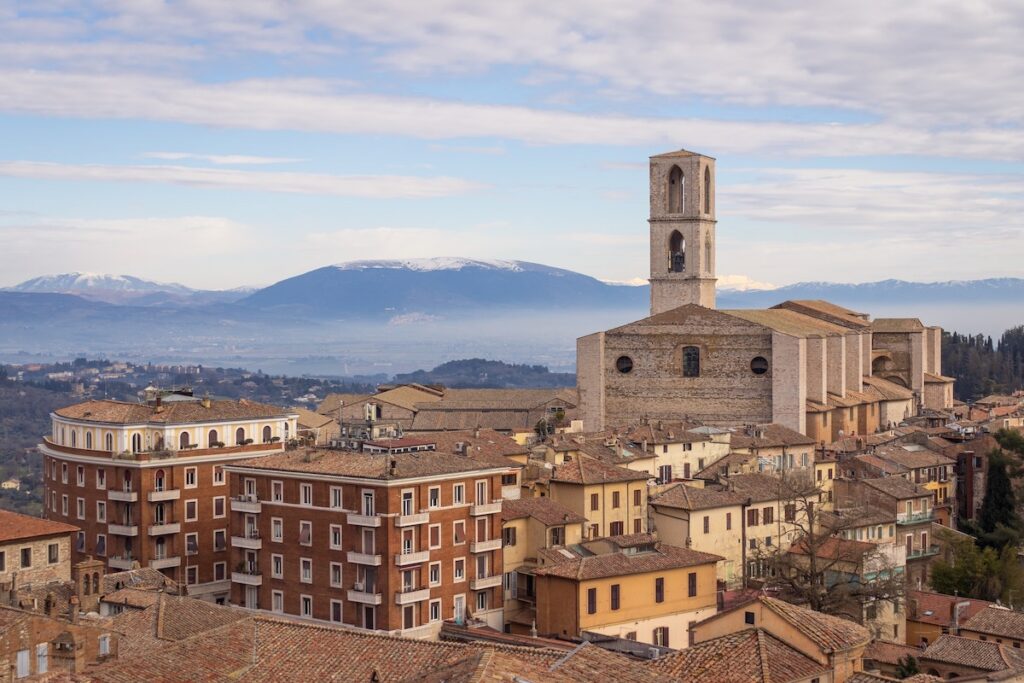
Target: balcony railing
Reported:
[(165, 528), (250, 540), (122, 496), (364, 558), (122, 562), (365, 597), (485, 546), (363, 520), (915, 517), (491, 508), (248, 574), (482, 582), (246, 503), (923, 552), (165, 562), (162, 495), (123, 529), (411, 594), (404, 559), (411, 519)]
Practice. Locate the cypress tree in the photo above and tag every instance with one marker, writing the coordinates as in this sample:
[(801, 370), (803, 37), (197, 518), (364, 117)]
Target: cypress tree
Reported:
[(998, 519)]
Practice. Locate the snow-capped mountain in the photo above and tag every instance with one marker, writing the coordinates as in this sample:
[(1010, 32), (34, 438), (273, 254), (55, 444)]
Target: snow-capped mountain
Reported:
[(124, 289), (436, 263)]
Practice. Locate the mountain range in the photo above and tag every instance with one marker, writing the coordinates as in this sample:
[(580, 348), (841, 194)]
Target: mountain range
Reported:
[(403, 314)]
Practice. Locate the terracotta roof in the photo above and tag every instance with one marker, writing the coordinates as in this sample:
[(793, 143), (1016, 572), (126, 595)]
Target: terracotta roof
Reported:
[(897, 325), (685, 497), (913, 457), (485, 443), (501, 399), (369, 466), (831, 633), (996, 621), (10, 617), (937, 608), (748, 656), (445, 420), (132, 597), (331, 402), (543, 509), (839, 549), (931, 378), (143, 578), (15, 527), (865, 677), (890, 391), (828, 311), (897, 487), (170, 412), (977, 654), (881, 464), (663, 432), (311, 420), (569, 565), (768, 436), (591, 663), (590, 471), (758, 487), (170, 618), (789, 322), (889, 653)]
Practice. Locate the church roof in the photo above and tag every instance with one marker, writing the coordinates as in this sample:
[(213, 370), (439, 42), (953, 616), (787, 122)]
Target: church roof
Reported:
[(679, 153), (897, 325), (789, 322), (817, 308)]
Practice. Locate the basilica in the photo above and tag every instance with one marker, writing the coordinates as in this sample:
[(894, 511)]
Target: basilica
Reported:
[(812, 366)]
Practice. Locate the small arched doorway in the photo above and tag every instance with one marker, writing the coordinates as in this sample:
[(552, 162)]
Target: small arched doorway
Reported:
[(239, 436), (266, 434), (183, 441)]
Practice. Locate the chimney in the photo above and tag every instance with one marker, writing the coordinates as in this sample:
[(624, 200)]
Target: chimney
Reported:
[(393, 467), (73, 609), (206, 401), (159, 404), (476, 433), (954, 617)]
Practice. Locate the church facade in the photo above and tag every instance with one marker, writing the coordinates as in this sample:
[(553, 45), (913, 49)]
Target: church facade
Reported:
[(812, 366)]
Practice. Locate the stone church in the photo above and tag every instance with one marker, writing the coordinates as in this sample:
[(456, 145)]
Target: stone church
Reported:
[(816, 367)]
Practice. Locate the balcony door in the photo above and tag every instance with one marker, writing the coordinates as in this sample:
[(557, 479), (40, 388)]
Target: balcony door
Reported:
[(369, 542), (368, 506)]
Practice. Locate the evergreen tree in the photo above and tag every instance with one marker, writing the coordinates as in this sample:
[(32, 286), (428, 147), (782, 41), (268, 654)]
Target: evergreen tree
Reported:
[(907, 667), (998, 521)]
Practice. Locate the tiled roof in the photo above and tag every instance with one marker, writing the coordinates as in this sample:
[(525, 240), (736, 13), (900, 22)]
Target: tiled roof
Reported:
[(827, 311), (143, 578), (590, 471), (768, 436), (890, 391), (15, 527), (659, 432), (430, 420), (839, 549), (331, 402), (881, 464), (789, 322), (897, 487), (485, 443), (977, 654), (831, 633), (913, 456), (758, 487), (310, 420), (865, 677), (685, 497), (543, 509), (566, 564), (996, 621), (897, 325), (937, 608), (171, 412), (889, 653), (501, 399), (749, 656), (931, 378), (369, 466), (171, 618), (10, 617)]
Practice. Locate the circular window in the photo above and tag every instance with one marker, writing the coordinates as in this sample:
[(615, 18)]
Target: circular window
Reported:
[(624, 364), (759, 365)]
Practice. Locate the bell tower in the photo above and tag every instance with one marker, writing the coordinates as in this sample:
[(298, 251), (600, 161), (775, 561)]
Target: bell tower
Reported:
[(682, 230)]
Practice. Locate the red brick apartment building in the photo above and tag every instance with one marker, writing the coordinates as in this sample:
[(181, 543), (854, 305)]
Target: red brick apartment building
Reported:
[(398, 539), (145, 482)]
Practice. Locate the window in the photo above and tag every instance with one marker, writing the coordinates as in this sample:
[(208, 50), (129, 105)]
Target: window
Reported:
[(335, 537), (26, 558), (460, 569), (624, 364), (190, 478), (615, 499), (759, 365), (80, 542), (63, 473), (101, 511), (591, 601), (218, 507), (306, 494), (277, 491), (306, 606), (218, 475), (790, 511), (192, 575), (42, 658), (64, 505), (615, 595), (80, 476), (240, 436), (336, 611), (104, 642), (305, 533), (481, 601), (767, 515), (22, 667), (101, 478), (53, 553), (752, 517), (267, 434), (510, 479), (220, 540), (458, 493), (595, 501), (659, 589), (80, 508), (191, 510), (638, 526), (277, 601), (728, 521), (434, 574), (557, 535), (748, 617), (434, 536), (276, 529), (707, 524), (336, 574), (434, 497), (508, 536), (660, 636), (637, 498), (435, 610), (3, 560), (615, 529), (192, 544), (691, 361), (336, 497), (691, 585), (459, 532), (277, 566), (306, 570)]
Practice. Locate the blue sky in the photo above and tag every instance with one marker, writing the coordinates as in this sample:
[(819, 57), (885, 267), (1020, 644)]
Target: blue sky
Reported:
[(220, 144)]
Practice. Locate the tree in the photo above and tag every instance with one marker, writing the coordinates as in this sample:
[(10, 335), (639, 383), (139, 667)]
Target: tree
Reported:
[(983, 573), (907, 667), (998, 521)]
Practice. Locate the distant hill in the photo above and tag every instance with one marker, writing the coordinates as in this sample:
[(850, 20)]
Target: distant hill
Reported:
[(124, 289), (885, 292), (487, 374)]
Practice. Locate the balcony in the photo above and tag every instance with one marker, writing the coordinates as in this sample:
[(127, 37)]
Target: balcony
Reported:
[(923, 552), (164, 529), (122, 562), (359, 596), (250, 540), (485, 546), (248, 575), (123, 496), (411, 520), (249, 504), (123, 529), (165, 562), (166, 494), (364, 558), (363, 520), (478, 509), (482, 582), (409, 595), (915, 517), (405, 559)]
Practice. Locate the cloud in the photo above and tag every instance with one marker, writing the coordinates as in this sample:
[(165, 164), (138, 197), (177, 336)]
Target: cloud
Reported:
[(225, 159), (742, 283), (377, 187)]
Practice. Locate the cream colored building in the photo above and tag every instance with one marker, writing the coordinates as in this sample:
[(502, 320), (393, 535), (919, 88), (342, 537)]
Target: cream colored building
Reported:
[(612, 499)]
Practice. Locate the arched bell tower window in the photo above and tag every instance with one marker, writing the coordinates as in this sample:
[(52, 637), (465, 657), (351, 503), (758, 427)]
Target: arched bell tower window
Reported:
[(707, 190), (676, 252), (691, 361), (707, 253), (676, 190)]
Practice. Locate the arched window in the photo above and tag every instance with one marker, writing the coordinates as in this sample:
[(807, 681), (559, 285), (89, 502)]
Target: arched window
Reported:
[(110, 441), (88, 440), (159, 445), (158, 480), (707, 253), (691, 361), (74, 438), (212, 438), (240, 435), (61, 436), (707, 190), (136, 443), (85, 585), (161, 545), (266, 434), (676, 252), (183, 441), (96, 582), (676, 190)]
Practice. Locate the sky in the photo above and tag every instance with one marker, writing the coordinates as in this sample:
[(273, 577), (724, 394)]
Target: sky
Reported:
[(223, 144)]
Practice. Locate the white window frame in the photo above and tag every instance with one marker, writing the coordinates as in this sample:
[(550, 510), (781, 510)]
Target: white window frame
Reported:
[(431, 492), (80, 475), (277, 602), (305, 570), (336, 566), (337, 498), (195, 509), (341, 612), (430, 574), (193, 474), (218, 481), (276, 529), (80, 508), (464, 532), (64, 505), (303, 599), (455, 569), (439, 536), (277, 566), (195, 535), (458, 494), (223, 566), (101, 511), (305, 523), (434, 612), (101, 478), (306, 495), (223, 507), (336, 529), (192, 570), (276, 491)]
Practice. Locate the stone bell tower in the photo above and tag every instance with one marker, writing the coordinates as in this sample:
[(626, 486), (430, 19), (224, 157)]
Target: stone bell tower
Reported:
[(682, 230)]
